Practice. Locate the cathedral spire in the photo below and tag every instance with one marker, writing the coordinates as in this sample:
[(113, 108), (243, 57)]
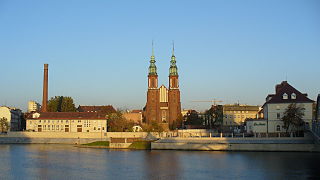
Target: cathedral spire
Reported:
[(173, 67), (152, 67)]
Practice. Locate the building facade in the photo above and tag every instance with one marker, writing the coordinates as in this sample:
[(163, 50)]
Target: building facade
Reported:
[(14, 117), (134, 116), (33, 106), (317, 115), (163, 104), (276, 105), (67, 122), (236, 114)]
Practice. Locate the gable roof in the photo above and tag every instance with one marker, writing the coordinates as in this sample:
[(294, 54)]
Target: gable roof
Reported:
[(103, 109), (69, 115), (237, 107), (286, 88)]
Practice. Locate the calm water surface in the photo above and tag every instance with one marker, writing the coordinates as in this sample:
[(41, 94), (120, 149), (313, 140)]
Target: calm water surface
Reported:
[(68, 162)]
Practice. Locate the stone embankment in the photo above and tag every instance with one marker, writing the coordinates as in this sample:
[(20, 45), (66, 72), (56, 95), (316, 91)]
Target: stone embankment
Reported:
[(305, 144), (68, 137)]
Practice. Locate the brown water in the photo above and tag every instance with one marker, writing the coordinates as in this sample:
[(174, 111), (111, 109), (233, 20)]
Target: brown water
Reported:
[(68, 162)]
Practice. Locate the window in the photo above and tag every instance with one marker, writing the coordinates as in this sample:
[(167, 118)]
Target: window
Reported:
[(293, 96), (94, 128), (278, 127), (278, 115), (67, 121), (39, 121), (102, 128), (285, 96), (278, 107)]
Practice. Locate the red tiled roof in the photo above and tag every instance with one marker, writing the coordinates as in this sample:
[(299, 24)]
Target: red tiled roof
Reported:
[(136, 111), (285, 87), (70, 115), (103, 109)]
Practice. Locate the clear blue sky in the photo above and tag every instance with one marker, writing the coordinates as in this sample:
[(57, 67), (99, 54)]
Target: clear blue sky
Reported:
[(98, 51)]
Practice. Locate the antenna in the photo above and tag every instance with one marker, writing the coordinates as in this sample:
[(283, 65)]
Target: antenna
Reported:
[(286, 77), (172, 47), (152, 48)]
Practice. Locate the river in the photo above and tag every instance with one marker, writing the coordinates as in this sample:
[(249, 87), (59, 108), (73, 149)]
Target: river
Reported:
[(39, 161)]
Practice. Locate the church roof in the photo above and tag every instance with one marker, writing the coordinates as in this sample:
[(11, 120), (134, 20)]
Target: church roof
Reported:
[(103, 109)]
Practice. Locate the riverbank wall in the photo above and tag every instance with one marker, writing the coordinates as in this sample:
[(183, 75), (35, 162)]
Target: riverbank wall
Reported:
[(237, 144), (69, 137)]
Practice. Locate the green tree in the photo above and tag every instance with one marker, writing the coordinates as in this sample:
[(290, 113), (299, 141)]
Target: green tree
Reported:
[(117, 123), (61, 104), (293, 117), (215, 115), (192, 118), (4, 124)]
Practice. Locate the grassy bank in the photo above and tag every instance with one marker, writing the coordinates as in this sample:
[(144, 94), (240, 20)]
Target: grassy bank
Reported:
[(141, 145), (98, 143)]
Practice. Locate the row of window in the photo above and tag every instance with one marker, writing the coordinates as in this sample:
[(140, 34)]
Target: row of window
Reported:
[(235, 116), (237, 111), (62, 121), (57, 127)]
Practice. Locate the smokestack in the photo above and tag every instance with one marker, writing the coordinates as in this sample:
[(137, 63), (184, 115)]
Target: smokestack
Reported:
[(45, 89)]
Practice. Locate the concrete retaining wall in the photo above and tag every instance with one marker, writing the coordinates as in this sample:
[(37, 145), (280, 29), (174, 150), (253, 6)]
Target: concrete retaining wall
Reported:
[(236, 147), (119, 145), (237, 144), (69, 137), (24, 140), (82, 134)]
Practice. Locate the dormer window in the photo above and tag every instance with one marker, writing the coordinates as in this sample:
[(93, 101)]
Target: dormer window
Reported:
[(293, 96), (285, 96)]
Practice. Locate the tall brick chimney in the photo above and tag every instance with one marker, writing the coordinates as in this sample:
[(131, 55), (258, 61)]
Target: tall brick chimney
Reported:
[(45, 89)]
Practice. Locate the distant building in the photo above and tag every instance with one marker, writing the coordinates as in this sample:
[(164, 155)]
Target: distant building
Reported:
[(318, 109), (101, 109), (14, 117), (33, 106), (134, 115), (67, 122), (275, 106), (236, 114)]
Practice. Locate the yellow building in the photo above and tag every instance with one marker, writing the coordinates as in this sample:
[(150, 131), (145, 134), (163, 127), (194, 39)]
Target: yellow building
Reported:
[(236, 114), (67, 122)]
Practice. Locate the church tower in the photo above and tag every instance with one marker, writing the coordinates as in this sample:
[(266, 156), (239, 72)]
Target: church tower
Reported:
[(152, 105), (174, 103)]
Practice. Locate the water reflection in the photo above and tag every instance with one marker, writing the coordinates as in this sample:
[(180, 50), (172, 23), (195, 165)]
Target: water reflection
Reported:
[(68, 162)]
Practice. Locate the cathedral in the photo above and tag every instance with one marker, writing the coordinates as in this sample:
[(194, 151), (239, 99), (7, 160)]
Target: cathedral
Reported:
[(163, 104)]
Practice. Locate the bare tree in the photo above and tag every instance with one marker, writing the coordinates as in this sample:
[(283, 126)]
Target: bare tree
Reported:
[(293, 117)]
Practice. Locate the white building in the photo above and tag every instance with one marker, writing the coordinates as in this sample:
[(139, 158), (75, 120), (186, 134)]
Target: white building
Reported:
[(13, 116), (61, 122), (275, 106), (33, 106)]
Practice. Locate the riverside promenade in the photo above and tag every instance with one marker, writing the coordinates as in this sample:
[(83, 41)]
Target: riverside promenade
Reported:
[(296, 144)]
